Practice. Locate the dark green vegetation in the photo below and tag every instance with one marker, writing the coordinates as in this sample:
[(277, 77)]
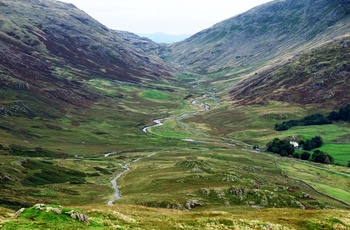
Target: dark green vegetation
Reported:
[(317, 119), (77, 102), (312, 143), (284, 148), (281, 147), (322, 157)]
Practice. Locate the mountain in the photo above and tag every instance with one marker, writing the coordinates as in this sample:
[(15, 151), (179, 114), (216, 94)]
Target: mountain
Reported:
[(50, 49), (165, 38), (320, 76), (274, 31)]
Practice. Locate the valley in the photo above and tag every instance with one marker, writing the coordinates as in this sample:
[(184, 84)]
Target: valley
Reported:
[(188, 164), (112, 131)]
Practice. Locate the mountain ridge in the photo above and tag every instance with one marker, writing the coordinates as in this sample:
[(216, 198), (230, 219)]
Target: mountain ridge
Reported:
[(261, 34), (53, 56)]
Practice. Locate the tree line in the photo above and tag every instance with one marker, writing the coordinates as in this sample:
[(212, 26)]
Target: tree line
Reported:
[(317, 119)]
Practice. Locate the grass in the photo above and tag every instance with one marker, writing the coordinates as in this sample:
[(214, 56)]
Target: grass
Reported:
[(255, 125), (328, 182), (127, 216), (332, 135), (171, 129), (155, 95), (200, 184), (173, 178)]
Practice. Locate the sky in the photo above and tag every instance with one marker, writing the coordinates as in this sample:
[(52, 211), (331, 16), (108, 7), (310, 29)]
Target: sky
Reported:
[(167, 16)]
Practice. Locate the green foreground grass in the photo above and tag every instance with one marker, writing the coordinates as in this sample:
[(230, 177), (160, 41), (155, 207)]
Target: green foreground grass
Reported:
[(136, 217)]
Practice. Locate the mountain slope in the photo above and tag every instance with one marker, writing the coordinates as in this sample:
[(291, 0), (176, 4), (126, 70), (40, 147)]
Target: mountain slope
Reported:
[(274, 30), (50, 49), (320, 76)]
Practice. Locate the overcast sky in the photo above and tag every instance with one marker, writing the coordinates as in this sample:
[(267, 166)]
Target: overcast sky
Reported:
[(167, 16)]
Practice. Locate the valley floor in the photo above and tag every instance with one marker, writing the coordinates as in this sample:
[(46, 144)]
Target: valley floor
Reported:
[(193, 169)]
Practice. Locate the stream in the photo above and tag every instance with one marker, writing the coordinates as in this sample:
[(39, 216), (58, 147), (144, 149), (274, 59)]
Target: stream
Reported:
[(157, 123), (114, 181)]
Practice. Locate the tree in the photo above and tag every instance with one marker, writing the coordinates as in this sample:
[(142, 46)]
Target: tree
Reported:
[(322, 157), (296, 155), (282, 147), (305, 156), (282, 127), (284, 153), (315, 142), (344, 113), (308, 145), (334, 116)]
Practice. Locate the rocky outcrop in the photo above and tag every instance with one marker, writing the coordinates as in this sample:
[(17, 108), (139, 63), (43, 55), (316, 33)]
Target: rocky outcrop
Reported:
[(80, 216), (57, 210), (192, 204)]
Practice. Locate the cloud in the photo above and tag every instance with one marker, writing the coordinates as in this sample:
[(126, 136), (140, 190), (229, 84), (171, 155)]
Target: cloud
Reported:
[(168, 16)]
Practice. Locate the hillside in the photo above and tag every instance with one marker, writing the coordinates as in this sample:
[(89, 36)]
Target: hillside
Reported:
[(51, 49), (320, 76), (276, 30)]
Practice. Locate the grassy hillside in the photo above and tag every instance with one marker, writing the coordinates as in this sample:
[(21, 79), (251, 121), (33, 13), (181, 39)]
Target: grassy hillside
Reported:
[(320, 76), (51, 50), (278, 29)]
